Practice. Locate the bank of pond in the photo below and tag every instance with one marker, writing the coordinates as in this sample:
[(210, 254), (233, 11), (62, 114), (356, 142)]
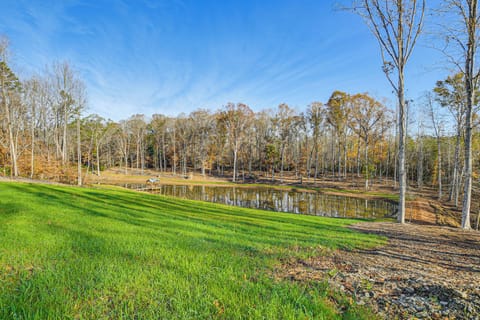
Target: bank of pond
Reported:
[(267, 198)]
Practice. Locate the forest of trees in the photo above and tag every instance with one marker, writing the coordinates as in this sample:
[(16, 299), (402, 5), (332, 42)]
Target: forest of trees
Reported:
[(46, 134)]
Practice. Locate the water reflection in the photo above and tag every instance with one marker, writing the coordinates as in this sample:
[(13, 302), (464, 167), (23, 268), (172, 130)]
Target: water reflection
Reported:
[(300, 202)]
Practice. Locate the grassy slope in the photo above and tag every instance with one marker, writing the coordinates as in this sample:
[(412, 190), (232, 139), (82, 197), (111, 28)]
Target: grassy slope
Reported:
[(69, 252)]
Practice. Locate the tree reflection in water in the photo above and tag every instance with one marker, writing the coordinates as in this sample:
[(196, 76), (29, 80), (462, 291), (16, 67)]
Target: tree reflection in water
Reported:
[(300, 202)]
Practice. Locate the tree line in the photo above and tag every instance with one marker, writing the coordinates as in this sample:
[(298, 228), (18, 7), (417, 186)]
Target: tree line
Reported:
[(46, 134), (397, 25), (45, 131)]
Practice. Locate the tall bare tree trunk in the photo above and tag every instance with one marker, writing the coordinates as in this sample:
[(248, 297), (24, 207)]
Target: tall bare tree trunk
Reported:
[(79, 153), (402, 131), (467, 198), (470, 78), (439, 167), (420, 157), (64, 138), (367, 169), (396, 25), (235, 150), (126, 160), (345, 157), (137, 148), (316, 165), (339, 159), (174, 167), (456, 171), (13, 148), (358, 157), (142, 154), (98, 159), (281, 162), (11, 140), (164, 154), (32, 132)]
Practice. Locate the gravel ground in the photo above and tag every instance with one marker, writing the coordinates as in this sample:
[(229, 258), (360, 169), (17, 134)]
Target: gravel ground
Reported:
[(424, 272)]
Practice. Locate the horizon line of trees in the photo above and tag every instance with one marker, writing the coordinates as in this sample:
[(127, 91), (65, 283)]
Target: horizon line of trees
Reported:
[(45, 134)]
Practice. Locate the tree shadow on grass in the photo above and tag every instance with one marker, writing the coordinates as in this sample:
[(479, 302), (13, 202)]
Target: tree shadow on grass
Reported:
[(161, 214), (10, 208)]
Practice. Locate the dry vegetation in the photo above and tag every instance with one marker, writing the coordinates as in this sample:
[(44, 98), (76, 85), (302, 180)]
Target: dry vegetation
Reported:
[(423, 272)]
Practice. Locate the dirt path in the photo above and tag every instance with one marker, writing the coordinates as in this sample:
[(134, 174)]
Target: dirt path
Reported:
[(28, 180), (425, 272)]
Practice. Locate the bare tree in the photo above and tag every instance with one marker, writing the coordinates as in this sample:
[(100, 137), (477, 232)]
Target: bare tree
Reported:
[(337, 116), (137, 128), (420, 154), (157, 127), (451, 94), (461, 35), (396, 24), (367, 115), (202, 122), (79, 104), (9, 91), (437, 130), (235, 118), (183, 135), (124, 137), (284, 121), (36, 98), (94, 129), (315, 116), (64, 79)]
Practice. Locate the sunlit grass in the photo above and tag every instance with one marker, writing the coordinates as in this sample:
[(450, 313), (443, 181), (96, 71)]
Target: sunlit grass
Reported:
[(108, 253)]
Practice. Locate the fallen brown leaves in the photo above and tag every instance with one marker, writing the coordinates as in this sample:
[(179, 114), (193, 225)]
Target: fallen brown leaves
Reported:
[(424, 271)]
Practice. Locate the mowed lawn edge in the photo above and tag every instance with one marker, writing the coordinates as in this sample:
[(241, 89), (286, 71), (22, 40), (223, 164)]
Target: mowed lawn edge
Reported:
[(109, 253)]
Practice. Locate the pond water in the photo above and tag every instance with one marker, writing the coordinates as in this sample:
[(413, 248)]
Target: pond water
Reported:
[(300, 202)]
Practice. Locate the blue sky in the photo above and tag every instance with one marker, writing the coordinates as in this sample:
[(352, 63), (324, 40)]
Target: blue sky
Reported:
[(154, 56)]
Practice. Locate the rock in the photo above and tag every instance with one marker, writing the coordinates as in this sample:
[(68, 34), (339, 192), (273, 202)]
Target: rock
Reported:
[(409, 290), (396, 291), (470, 308), (419, 308), (461, 294), (417, 289)]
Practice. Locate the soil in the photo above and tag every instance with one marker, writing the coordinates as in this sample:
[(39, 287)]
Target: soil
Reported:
[(136, 176), (28, 180), (424, 272)]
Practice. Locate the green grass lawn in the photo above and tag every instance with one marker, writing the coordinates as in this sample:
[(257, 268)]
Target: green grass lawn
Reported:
[(109, 253)]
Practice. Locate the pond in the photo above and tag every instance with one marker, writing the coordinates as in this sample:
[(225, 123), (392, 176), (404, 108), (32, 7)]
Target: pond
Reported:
[(297, 201)]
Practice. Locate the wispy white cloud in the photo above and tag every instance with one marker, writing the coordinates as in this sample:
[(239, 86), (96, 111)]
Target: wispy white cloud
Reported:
[(168, 56)]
